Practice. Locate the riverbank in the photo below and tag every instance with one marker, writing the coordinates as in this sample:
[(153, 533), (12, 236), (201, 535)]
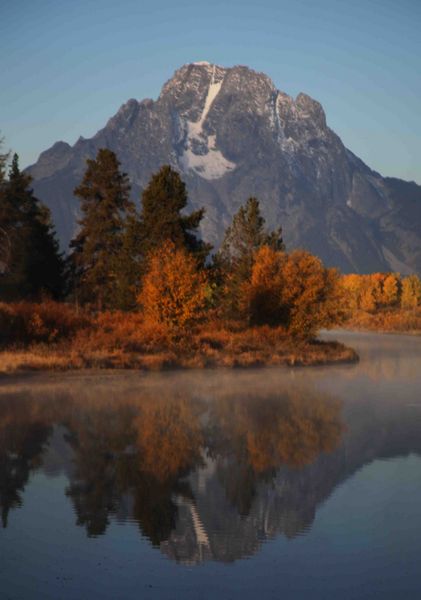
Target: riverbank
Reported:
[(52, 336), (249, 351)]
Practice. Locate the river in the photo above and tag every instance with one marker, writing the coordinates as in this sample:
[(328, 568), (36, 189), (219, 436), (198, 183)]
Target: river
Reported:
[(272, 483)]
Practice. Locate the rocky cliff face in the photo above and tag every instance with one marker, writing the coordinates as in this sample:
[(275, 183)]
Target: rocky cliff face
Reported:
[(232, 134)]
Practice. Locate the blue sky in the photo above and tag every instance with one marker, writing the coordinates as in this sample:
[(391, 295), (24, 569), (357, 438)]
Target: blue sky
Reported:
[(67, 65)]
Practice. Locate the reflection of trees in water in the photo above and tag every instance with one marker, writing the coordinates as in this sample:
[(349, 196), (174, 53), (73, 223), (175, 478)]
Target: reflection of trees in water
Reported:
[(99, 436), (139, 455), (260, 435), (169, 441), (147, 448), (142, 448), (206, 472), (169, 436), (23, 435)]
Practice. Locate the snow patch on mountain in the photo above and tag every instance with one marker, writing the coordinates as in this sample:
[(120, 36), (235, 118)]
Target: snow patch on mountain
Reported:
[(212, 165), (201, 154)]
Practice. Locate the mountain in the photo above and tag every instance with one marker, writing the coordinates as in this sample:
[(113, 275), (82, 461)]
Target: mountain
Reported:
[(232, 134)]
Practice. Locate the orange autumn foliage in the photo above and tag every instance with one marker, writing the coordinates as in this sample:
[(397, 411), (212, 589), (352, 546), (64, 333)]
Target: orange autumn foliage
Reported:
[(174, 291), (261, 299), (383, 301), (369, 293), (311, 293), (293, 290), (47, 321)]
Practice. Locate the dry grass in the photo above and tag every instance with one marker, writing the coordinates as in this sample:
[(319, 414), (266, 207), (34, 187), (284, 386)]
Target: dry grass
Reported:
[(118, 340), (48, 321)]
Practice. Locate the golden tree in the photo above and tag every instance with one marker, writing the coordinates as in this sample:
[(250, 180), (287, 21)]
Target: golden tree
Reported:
[(174, 290), (390, 290), (411, 292), (352, 285), (311, 294), (261, 297)]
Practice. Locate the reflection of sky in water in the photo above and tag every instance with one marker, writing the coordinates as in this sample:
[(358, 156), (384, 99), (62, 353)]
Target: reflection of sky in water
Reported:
[(323, 464)]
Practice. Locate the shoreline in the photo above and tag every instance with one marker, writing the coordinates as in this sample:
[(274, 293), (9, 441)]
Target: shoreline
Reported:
[(19, 361)]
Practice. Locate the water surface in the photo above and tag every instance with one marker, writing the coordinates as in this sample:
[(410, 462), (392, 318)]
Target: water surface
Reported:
[(272, 483)]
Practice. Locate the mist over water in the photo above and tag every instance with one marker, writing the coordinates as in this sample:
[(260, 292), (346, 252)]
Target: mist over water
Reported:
[(296, 483)]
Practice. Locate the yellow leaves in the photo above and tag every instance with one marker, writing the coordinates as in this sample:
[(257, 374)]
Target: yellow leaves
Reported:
[(390, 290), (411, 292), (381, 290), (174, 291)]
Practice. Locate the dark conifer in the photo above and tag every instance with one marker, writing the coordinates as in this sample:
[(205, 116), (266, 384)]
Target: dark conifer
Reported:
[(5, 241), (163, 201), (245, 235), (3, 162), (98, 259), (36, 265)]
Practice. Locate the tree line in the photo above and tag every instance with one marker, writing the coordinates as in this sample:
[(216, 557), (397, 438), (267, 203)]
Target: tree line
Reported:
[(382, 291), (153, 260)]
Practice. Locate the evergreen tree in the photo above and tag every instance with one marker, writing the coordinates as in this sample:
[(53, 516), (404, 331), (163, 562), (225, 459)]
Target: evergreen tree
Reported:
[(3, 162), (5, 243), (36, 265), (234, 261), (162, 202), (98, 259)]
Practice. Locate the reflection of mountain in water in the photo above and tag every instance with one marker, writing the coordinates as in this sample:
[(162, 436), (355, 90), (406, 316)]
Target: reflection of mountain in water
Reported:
[(205, 473)]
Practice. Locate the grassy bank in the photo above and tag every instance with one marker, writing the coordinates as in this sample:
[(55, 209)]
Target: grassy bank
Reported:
[(51, 337), (60, 358)]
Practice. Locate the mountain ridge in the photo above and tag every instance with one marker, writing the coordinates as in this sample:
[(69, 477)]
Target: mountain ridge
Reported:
[(232, 134)]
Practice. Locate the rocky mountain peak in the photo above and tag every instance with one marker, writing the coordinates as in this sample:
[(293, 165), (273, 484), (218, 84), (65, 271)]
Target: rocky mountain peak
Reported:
[(311, 109), (232, 134)]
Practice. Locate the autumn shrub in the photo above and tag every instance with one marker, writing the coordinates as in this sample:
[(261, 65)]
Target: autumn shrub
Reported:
[(48, 321), (311, 294), (174, 291), (294, 291), (261, 296), (114, 330)]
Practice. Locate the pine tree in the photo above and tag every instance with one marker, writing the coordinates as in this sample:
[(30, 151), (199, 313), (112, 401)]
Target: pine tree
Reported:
[(5, 241), (36, 265), (98, 258), (162, 202), (243, 238), (3, 161)]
